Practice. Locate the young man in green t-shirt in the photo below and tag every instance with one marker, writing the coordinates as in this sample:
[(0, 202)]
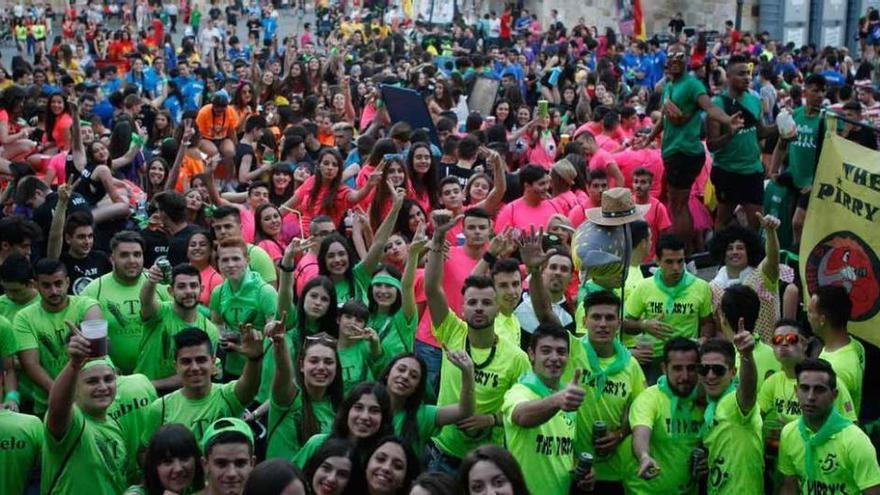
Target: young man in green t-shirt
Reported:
[(21, 439), (243, 298), (732, 428), (800, 149), (227, 456), (539, 415), (684, 101), (828, 311), (822, 452), (227, 225), (666, 420), (199, 402), (672, 303), (84, 446), (737, 170), (498, 363), (118, 293), (17, 279), (41, 330), (163, 320)]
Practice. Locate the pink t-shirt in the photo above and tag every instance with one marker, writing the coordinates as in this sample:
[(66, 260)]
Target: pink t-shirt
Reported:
[(457, 268), (58, 164), (60, 132), (629, 159), (520, 215), (306, 269), (211, 278), (658, 220), (578, 214), (248, 224), (543, 152), (599, 161), (312, 209), (607, 143), (272, 248)]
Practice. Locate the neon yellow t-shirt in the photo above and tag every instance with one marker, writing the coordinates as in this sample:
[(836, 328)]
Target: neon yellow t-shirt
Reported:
[(36, 328), (652, 409), (847, 462), (736, 450), (490, 384), (849, 364), (98, 458), (507, 327), (157, 350), (765, 361), (546, 451), (580, 313), (21, 439), (621, 389), (779, 404), (121, 307), (197, 415), (649, 302), (283, 428)]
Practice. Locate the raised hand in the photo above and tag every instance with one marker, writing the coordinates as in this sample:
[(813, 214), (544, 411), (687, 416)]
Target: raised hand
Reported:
[(572, 396), (443, 222), (531, 249), (768, 222), (64, 192), (744, 341), (79, 348), (251, 345), (155, 275), (461, 360), (419, 241)]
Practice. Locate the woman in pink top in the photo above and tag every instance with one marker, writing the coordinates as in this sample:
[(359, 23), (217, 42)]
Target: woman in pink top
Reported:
[(267, 230), (58, 121), (324, 193), (199, 252), (14, 137), (423, 177), (394, 176)]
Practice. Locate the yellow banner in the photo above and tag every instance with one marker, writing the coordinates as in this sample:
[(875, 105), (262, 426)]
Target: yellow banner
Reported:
[(841, 237)]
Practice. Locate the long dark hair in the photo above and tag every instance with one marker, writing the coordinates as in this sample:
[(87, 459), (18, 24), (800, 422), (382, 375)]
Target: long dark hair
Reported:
[(410, 429), (322, 257), (13, 97), (402, 224), (412, 462), (329, 202), (309, 425), (340, 423), (383, 193), (502, 459), (326, 323), (259, 233), (428, 182), (271, 477), (171, 441), (337, 447), (51, 117), (374, 306)]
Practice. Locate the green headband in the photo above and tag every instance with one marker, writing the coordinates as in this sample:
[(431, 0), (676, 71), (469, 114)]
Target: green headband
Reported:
[(101, 361), (384, 278)]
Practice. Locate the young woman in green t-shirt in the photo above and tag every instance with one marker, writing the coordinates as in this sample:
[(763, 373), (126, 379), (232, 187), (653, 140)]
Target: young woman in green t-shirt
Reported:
[(391, 467), (335, 469), (171, 463), (491, 465), (416, 422)]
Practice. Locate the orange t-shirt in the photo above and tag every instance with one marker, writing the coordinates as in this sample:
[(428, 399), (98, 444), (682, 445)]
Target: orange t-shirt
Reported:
[(212, 127), (189, 168)]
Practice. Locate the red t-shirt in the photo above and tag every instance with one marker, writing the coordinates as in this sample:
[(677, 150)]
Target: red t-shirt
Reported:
[(312, 209)]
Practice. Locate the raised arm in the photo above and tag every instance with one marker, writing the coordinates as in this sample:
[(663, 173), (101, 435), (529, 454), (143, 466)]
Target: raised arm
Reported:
[(358, 195), (296, 247), (499, 184), (76, 144), (533, 256), (747, 390), (56, 231), (61, 396), (283, 387), (371, 260), (416, 247), (251, 348), (770, 264), (174, 173), (443, 223), (454, 413), (149, 303)]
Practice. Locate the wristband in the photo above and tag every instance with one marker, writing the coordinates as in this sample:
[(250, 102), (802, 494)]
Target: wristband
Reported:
[(490, 258), (13, 396), (285, 268)]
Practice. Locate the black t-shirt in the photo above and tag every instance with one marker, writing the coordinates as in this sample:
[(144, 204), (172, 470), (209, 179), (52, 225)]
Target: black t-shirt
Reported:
[(677, 25), (231, 16), (44, 213), (214, 13), (82, 271), (177, 246), (157, 246)]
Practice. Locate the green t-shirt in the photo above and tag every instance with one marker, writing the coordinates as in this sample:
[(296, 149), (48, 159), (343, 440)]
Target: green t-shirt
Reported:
[(396, 334), (779, 404), (10, 308), (357, 365), (849, 364), (156, 357), (36, 328), (426, 427), (685, 93), (121, 306), (633, 278), (134, 394), (197, 415), (847, 462), (283, 428), (671, 444), (742, 154), (255, 301), (621, 389), (7, 338), (647, 301), (345, 291), (779, 202), (261, 262), (309, 448), (580, 313), (736, 450), (546, 451), (98, 458), (491, 382), (802, 151), (21, 439)]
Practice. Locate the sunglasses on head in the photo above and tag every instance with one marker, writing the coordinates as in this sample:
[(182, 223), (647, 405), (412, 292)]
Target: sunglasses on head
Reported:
[(677, 55), (717, 369), (788, 338), (321, 338)]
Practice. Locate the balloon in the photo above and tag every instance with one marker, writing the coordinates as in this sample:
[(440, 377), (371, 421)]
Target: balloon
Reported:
[(601, 252)]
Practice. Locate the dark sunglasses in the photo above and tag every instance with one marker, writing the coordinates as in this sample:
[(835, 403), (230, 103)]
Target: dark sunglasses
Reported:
[(677, 55), (789, 338), (717, 369)]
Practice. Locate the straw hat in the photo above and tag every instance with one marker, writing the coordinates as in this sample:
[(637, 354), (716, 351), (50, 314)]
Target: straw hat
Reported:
[(617, 208), (564, 169)]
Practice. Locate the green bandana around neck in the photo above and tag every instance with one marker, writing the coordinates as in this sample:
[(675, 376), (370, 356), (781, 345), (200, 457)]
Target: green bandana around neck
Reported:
[(534, 383), (621, 360), (676, 415), (712, 406), (672, 293), (834, 424)]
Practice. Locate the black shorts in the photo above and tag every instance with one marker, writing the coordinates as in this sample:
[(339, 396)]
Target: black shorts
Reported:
[(738, 189), (682, 170), (803, 200)]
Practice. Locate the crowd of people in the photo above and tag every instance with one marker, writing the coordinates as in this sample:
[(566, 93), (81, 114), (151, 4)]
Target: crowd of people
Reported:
[(227, 269)]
